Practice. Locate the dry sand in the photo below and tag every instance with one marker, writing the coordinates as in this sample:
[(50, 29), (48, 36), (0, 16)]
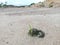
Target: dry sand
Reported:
[(14, 28)]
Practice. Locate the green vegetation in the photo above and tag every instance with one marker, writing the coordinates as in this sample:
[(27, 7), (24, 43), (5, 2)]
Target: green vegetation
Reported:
[(3, 5), (30, 30), (32, 4)]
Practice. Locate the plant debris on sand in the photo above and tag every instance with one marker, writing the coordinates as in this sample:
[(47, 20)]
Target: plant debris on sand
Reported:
[(36, 33)]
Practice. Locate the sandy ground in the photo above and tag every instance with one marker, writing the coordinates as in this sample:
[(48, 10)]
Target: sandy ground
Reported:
[(29, 11), (14, 28)]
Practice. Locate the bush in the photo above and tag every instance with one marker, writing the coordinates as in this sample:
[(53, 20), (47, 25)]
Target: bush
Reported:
[(1, 5), (32, 4), (42, 4), (51, 4)]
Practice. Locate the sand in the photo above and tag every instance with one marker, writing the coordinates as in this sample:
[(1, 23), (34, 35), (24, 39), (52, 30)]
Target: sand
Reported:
[(14, 28)]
